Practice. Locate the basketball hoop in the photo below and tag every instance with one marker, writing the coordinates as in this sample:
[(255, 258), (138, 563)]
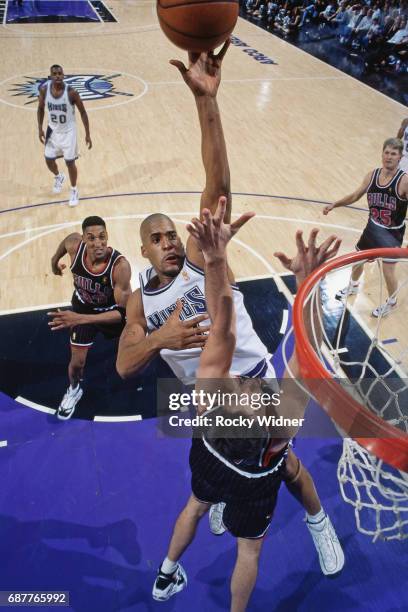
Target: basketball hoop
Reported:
[(371, 407)]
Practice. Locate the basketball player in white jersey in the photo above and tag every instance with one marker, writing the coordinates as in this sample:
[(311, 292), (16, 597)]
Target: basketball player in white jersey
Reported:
[(242, 472), (60, 139), (403, 135), (178, 274)]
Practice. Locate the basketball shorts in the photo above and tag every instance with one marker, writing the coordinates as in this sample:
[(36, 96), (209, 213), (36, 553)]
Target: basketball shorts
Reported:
[(61, 144), (250, 502), (376, 237), (84, 335)]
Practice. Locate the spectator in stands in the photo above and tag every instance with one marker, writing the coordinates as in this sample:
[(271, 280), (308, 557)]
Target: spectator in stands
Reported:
[(329, 11), (373, 35), (362, 29), (395, 45)]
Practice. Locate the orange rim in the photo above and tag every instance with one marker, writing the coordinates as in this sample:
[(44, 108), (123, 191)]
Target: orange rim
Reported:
[(379, 437)]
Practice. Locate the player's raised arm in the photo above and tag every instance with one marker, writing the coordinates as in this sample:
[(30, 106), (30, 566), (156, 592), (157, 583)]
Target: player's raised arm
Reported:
[(203, 77), (212, 236), (308, 257)]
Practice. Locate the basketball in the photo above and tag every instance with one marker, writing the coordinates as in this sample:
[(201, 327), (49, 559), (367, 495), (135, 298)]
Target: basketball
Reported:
[(197, 25)]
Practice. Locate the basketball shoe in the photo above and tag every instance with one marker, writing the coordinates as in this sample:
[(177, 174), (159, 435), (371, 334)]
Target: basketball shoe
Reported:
[(351, 289), (385, 309), (74, 197), (331, 556), (69, 401), (217, 527), (167, 585), (58, 182)]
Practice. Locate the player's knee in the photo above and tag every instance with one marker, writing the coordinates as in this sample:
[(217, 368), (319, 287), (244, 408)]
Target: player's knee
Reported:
[(196, 508), (293, 468), (249, 549)]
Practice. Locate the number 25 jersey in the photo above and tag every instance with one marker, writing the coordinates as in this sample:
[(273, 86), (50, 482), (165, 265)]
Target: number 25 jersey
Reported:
[(387, 208)]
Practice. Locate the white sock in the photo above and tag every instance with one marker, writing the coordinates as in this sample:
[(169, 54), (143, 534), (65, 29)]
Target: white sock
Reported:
[(354, 283), (392, 300), (168, 566), (314, 519)]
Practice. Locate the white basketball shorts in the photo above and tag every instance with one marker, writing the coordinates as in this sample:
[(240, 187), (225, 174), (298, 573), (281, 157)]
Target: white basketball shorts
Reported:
[(61, 144)]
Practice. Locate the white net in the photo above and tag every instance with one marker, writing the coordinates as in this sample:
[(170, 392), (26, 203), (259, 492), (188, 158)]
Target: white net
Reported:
[(365, 348), (378, 493)]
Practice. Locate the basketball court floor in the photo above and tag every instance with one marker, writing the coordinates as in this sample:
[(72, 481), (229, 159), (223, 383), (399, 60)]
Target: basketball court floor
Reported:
[(87, 505)]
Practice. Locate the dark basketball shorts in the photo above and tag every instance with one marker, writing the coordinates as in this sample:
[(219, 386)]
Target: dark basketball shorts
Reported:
[(84, 335), (376, 237), (250, 502)]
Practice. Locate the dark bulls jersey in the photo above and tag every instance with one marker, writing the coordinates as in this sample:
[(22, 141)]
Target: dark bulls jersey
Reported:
[(387, 208), (94, 291)]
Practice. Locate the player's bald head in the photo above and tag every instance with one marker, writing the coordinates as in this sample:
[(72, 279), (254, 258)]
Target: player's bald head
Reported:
[(152, 223)]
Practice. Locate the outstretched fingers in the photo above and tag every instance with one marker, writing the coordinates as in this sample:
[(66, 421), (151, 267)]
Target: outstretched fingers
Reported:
[(241, 221), (220, 55), (311, 243), (301, 247), (180, 66), (284, 259), (220, 212), (334, 250)]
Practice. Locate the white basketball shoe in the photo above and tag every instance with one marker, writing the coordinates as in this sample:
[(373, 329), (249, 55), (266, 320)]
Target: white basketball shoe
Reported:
[(167, 585), (331, 556), (74, 197), (69, 401), (58, 182)]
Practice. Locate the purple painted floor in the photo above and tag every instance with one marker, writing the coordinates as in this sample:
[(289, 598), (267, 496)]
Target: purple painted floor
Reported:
[(88, 508)]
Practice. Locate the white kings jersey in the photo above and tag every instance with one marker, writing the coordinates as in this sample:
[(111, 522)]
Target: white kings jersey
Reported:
[(188, 286), (61, 113), (404, 160)]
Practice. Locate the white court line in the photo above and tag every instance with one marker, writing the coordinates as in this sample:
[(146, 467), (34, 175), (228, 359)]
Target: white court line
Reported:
[(34, 308), (285, 319), (30, 404), (118, 419), (3, 443), (21, 244), (58, 226)]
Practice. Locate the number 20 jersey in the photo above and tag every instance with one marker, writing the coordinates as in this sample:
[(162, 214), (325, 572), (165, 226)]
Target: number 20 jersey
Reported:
[(188, 286), (61, 113), (387, 208)]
